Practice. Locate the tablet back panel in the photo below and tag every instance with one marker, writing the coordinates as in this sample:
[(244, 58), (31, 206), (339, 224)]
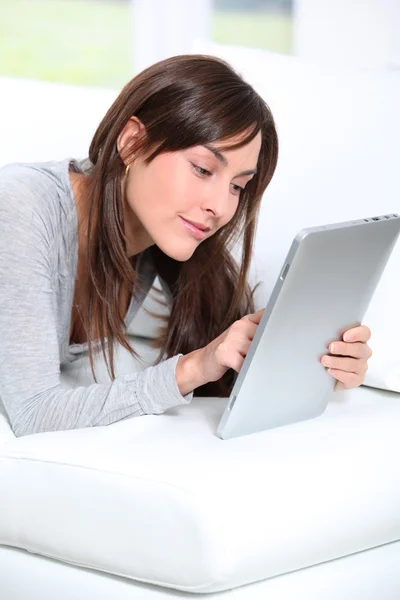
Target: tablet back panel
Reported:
[(326, 283)]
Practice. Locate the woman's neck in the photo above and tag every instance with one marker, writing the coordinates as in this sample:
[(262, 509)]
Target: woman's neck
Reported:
[(79, 188)]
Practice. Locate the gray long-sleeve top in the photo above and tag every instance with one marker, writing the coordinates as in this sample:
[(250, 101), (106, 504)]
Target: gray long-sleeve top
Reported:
[(38, 264)]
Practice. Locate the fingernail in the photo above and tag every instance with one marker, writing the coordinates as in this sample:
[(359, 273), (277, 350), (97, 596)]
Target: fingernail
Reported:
[(332, 348)]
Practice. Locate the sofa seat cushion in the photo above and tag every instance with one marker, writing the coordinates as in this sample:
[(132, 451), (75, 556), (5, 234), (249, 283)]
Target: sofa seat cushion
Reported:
[(161, 499)]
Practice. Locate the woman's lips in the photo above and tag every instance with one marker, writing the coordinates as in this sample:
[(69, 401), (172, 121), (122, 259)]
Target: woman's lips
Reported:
[(195, 231)]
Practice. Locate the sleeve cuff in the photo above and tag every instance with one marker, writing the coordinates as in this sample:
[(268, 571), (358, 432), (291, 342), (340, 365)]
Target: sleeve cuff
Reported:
[(158, 388)]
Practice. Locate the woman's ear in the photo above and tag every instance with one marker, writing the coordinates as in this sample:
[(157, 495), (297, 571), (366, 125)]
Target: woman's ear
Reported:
[(128, 138)]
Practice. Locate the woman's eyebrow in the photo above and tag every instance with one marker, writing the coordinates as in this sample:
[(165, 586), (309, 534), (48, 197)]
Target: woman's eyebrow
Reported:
[(224, 161)]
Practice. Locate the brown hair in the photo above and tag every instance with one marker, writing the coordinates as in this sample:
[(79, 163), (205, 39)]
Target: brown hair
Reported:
[(182, 101)]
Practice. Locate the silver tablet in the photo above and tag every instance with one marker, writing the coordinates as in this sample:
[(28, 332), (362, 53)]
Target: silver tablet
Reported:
[(324, 288)]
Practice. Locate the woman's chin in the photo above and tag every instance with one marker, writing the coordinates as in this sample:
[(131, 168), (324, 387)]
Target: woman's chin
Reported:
[(180, 253)]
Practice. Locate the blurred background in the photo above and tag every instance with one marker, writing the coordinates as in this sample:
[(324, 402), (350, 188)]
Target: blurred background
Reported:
[(105, 42), (92, 42)]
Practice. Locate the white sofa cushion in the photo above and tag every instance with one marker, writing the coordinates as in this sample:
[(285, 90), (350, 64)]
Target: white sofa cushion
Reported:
[(368, 575), (339, 134), (58, 121), (160, 499), (383, 318)]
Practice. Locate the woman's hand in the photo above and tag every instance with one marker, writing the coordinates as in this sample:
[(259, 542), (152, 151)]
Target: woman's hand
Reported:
[(229, 349), (351, 363)]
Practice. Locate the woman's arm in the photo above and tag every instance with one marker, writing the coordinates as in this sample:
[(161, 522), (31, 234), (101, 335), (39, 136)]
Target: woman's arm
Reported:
[(188, 375), (29, 347)]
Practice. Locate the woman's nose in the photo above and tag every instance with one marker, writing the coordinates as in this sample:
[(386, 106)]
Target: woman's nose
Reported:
[(217, 201)]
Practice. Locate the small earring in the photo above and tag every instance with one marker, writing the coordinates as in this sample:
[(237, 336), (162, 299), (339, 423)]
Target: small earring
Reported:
[(127, 170)]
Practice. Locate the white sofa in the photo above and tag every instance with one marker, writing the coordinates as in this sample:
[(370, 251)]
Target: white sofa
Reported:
[(159, 507)]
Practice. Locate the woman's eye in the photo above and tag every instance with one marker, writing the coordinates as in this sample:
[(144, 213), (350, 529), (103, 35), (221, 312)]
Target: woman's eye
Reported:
[(205, 173), (200, 170), (238, 190)]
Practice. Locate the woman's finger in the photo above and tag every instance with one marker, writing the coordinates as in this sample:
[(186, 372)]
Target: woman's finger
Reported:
[(351, 365), (356, 349), (339, 386), (349, 380), (357, 334), (256, 317)]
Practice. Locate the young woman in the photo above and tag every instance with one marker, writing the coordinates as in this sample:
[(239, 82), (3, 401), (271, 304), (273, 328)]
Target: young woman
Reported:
[(174, 178)]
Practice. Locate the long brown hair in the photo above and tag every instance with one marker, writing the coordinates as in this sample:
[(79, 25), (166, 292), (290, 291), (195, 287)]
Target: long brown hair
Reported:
[(182, 101)]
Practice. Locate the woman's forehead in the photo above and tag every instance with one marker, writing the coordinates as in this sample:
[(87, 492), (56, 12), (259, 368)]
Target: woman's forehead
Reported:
[(238, 138)]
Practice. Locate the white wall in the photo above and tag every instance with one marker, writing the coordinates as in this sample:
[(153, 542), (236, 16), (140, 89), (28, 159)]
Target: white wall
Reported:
[(348, 33)]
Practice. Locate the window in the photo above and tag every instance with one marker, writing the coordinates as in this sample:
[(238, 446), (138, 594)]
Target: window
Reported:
[(98, 42), (265, 24)]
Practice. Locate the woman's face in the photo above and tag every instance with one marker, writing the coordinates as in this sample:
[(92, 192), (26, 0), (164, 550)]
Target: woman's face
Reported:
[(198, 184)]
